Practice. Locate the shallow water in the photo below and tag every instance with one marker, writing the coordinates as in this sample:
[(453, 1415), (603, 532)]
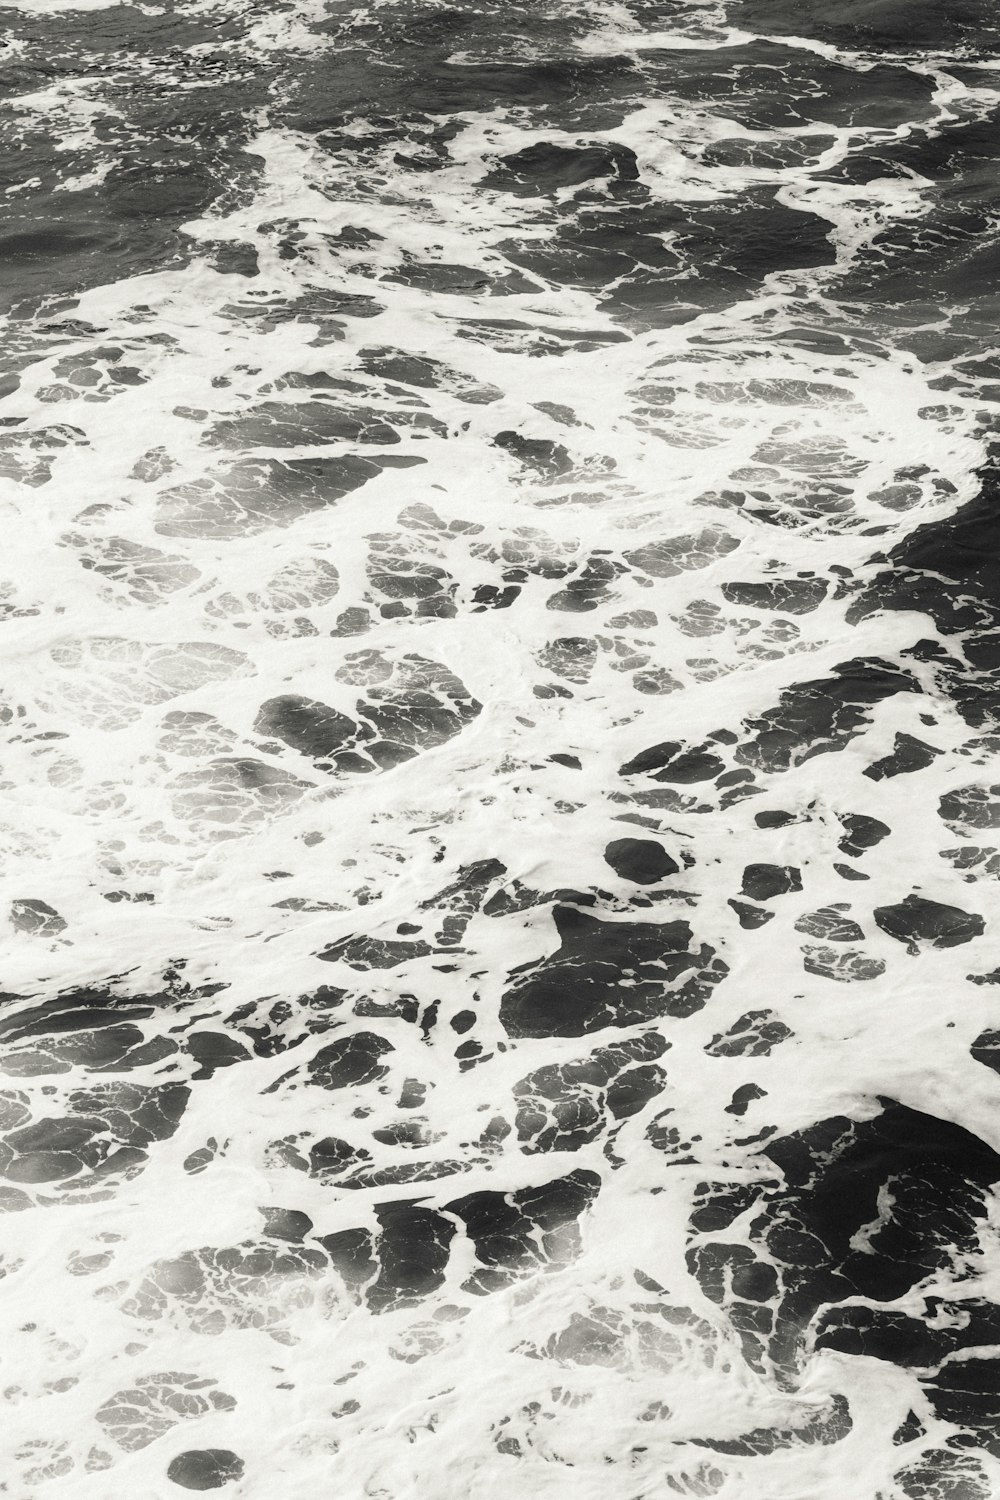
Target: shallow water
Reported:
[(498, 551)]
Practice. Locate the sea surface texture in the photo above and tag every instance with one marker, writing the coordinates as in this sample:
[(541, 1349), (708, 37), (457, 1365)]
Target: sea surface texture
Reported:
[(500, 805)]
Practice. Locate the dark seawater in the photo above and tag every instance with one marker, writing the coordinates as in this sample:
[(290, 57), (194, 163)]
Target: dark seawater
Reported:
[(501, 796)]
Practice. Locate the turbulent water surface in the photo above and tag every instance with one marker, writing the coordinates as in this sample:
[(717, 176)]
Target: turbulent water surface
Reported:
[(501, 611)]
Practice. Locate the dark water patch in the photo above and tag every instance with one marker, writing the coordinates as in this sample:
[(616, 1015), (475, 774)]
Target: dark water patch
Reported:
[(967, 1393), (861, 833), (286, 1224), (908, 754), (511, 1233), (402, 585), (253, 495), (775, 819), (422, 706), (209, 1286), (74, 1009), (333, 89), (458, 902), (678, 554), (794, 596), (350, 1061), (945, 258), (413, 1250), (227, 792), (84, 1028), (276, 424), (320, 306), (546, 168), (941, 1474), (845, 966), (158, 189), (777, 154), (717, 1206), (511, 335), (589, 589), (909, 1430), (824, 715), (755, 1034), (956, 157), (761, 882), (903, 1340), (517, 1232), (949, 570), (102, 1136), (672, 763), (426, 373), (743, 1097), (644, 861), (918, 920), (766, 86), (231, 257), (609, 974), (167, 147), (564, 1106), (750, 917), (831, 1233), (105, 1125), (970, 807), (364, 953), (145, 573), (963, 1391), (106, 35), (426, 139), (138, 1414), (665, 263), (111, 1047), (205, 1468), (986, 1047), (902, 26), (329, 1157), (28, 455), (517, 896), (831, 924), (212, 1050), (272, 1026), (541, 456), (457, 280), (572, 658)]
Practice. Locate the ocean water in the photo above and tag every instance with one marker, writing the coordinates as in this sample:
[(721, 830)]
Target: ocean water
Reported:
[(500, 814)]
